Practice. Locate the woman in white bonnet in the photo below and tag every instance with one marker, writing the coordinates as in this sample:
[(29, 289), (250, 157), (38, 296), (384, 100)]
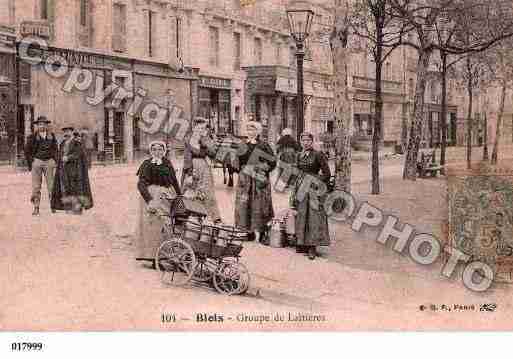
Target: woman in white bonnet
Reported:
[(253, 201), (156, 176)]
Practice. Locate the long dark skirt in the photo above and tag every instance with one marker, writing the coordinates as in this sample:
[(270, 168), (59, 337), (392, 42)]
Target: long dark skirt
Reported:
[(311, 221), (71, 187), (253, 205)]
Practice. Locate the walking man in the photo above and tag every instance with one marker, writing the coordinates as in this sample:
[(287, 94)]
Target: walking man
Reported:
[(41, 152)]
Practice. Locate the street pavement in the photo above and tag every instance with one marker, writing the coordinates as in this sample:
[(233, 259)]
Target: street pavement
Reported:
[(65, 272)]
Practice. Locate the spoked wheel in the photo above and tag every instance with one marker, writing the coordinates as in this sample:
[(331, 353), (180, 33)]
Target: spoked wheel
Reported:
[(231, 278), (203, 271), (175, 261)]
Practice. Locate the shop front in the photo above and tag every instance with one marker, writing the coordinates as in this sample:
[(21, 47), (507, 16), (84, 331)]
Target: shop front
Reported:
[(8, 97), (271, 98), (115, 132), (215, 103)]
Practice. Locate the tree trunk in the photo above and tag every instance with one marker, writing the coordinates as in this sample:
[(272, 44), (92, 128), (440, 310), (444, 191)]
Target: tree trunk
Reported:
[(469, 121), (485, 147), (410, 164), (443, 119), (342, 104), (378, 113), (495, 152), (404, 129)]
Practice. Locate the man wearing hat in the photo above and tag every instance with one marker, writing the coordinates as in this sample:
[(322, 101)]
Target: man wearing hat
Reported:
[(72, 189), (41, 151)]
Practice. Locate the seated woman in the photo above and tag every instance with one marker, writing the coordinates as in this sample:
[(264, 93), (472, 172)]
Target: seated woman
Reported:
[(197, 175), (156, 177), (311, 220), (253, 201)]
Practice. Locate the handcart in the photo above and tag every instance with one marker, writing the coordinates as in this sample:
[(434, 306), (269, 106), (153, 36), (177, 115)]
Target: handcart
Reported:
[(194, 251)]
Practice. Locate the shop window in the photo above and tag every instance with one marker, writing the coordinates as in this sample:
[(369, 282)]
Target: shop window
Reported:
[(330, 126), (236, 122), (214, 46)]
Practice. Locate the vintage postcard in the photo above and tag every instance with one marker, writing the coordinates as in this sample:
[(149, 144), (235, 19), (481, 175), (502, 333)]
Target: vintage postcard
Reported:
[(205, 166)]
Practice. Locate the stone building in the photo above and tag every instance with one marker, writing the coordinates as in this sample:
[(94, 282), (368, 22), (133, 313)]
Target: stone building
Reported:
[(196, 55), (227, 61)]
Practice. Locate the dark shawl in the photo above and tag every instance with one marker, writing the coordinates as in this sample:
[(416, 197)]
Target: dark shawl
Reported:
[(71, 178), (160, 175)]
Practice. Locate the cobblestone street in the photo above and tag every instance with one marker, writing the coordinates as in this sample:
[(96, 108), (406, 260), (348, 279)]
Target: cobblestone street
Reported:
[(64, 272)]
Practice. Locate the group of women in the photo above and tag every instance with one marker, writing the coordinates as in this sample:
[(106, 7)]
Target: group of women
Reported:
[(253, 200)]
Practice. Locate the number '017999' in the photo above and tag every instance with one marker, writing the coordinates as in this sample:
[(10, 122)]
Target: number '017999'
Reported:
[(21, 347)]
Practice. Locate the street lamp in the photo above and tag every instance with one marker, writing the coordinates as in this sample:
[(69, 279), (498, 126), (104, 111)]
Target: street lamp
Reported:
[(300, 21)]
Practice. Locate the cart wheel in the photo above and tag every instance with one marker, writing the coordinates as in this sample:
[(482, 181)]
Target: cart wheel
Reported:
[(231, 278), (175, 261), (202, 272)]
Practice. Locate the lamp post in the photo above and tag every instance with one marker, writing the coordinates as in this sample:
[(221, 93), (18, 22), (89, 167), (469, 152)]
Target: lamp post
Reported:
[(300, 21)]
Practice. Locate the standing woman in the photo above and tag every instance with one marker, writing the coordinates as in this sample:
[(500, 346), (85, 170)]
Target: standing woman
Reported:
[(156, 176), (287, 149), (197, 174), (311, 220), (253, 200)]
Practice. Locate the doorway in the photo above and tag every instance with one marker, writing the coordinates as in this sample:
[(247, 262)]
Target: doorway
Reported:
[(119, 145)]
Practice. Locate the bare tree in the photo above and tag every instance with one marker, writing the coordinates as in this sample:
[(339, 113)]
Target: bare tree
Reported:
[(501, 69), (372, 21), (479, 25), (472, 75), (342, 102)]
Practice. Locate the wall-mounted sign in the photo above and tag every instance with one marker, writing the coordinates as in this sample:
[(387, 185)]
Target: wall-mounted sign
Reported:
[(36, 28), (72, 57), (215, 82)]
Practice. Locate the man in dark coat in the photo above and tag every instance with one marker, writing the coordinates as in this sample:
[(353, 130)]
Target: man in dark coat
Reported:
[(41, 151), (72, 189)]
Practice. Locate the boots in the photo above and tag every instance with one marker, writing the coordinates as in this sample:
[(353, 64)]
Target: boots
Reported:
[(36, 211)]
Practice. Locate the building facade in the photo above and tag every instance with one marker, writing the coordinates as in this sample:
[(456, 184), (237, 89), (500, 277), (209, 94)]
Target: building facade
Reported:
[(226, 61)]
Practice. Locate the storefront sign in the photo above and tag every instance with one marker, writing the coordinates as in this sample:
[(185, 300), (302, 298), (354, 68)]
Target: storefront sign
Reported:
[(82, 59), (73, 58), (215, 82), (36, 28), (289, 85)]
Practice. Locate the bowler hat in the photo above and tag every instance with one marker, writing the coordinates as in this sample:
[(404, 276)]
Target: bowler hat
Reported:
[(42, 119)]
